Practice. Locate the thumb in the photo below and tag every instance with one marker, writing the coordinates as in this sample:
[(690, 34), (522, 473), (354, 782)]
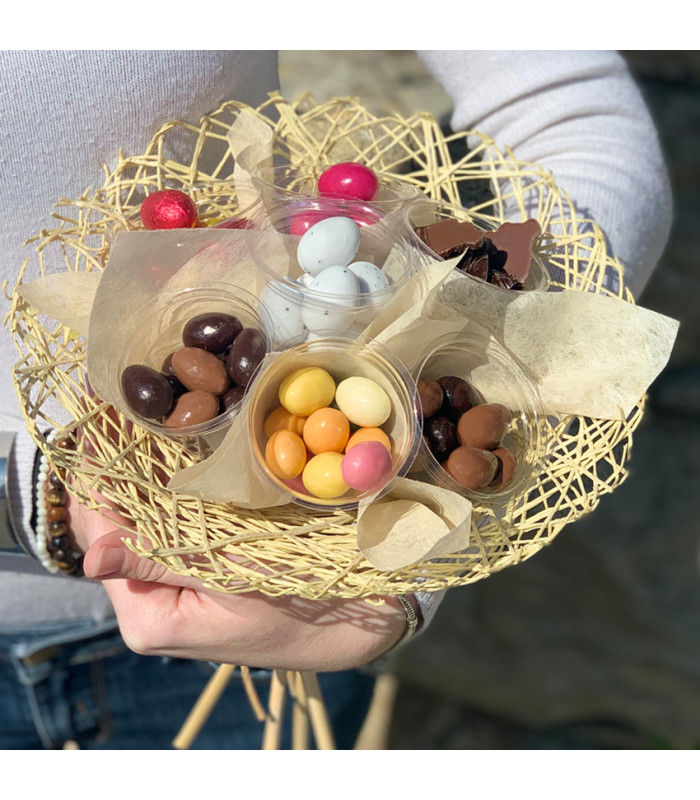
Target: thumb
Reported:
[(108, 558)]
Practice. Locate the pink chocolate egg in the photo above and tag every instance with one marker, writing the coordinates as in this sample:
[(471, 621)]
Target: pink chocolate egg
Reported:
[(366, 467)]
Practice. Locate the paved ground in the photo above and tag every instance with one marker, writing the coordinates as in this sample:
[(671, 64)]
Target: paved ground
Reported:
[(573, 649)]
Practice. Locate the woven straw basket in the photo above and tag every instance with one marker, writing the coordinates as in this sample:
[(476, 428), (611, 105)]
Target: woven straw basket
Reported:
[(290, 550)]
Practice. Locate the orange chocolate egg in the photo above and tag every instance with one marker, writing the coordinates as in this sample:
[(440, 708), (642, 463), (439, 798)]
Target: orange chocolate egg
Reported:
[(282, 420), (484, 426), (369, 435), (285, 454), (326, 429)]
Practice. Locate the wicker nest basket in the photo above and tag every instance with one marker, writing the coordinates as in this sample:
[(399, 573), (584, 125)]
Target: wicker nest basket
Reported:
[(290, 550)]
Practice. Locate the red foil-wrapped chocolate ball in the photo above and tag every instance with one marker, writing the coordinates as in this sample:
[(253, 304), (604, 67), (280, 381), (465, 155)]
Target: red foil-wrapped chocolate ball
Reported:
[(168, 209)]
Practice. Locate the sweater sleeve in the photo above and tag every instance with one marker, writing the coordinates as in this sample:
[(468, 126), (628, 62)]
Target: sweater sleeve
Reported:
[(581, 115)]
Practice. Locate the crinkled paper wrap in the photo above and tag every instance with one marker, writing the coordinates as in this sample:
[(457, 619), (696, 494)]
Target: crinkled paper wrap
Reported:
[(590, 355)]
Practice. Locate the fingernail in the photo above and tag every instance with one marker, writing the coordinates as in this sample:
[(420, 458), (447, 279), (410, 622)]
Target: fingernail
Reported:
[(108, 562)]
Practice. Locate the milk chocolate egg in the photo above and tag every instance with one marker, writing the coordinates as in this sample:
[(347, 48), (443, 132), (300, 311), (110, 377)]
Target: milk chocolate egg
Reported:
[(431, 396), (484, 425), (146, 391), (213, 332), (192, 408), (506, 466), (246, 353), (199, 370), (472, 467)]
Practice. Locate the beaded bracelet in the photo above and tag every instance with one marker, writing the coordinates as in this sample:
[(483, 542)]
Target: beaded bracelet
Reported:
[(54, 543)]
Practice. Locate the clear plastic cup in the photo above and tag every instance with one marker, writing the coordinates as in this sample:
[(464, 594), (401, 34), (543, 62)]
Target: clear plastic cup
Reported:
[(423, 212), (158, 328), (499, 378), (342, 358), (301, 311), (284, 182)]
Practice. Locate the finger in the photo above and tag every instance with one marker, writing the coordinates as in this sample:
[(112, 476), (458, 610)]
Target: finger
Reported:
[(108, 558)]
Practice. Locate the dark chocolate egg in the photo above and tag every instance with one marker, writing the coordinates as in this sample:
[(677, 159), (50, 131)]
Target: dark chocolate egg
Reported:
[(146, 391), (431, 396), (442, 436), (484, 426), (231, 397), (200, 370), (472, 467), (192, 408), (245, 355), (213, 332), (459, 395)]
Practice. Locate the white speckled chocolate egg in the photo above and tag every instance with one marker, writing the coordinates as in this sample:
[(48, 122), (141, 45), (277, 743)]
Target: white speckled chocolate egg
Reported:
[(284, 307), (369, 276), (332, 300), (331, 242)]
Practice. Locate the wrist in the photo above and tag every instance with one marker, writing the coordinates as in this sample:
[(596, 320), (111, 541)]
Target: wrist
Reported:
[(55, 543)]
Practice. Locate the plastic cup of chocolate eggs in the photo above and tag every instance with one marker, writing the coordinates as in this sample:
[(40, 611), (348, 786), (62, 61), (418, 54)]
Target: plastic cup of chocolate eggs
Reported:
[(327, 267), (346, 180), (333, 422), (445, 231), (481, 420), (202, 344)]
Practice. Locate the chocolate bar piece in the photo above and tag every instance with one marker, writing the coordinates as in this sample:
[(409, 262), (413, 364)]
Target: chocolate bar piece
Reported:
[(516, 239), (450, 237)]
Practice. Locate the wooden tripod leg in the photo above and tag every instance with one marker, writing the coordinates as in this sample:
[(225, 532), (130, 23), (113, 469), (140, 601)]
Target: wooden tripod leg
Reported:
[(203, 707), (272, 733), (323, 733), (300, 712)]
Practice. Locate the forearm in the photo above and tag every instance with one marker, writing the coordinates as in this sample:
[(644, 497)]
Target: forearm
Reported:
[(579, 114)]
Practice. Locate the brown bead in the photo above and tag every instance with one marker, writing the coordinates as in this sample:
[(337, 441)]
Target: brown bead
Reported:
[(65, 443), (58, 528), (55, 480), (59, 542), (56, 513), (56, 497)]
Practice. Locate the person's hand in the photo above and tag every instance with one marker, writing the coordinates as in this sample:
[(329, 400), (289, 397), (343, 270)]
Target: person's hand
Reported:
[(160, 613)]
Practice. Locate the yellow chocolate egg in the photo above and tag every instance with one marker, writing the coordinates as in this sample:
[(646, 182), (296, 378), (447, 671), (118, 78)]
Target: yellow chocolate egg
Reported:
[(305, 390), (363, 401), (285, 454), (323, 477), (326, 429)]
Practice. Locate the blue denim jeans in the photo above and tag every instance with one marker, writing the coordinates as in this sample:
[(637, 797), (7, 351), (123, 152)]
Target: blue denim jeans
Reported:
[(81, 683)]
